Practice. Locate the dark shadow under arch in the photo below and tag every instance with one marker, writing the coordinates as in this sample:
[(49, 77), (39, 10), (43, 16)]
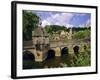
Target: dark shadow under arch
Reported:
[(27, 55), (76, 49), (64, 51), (50, 54), (85, 47)]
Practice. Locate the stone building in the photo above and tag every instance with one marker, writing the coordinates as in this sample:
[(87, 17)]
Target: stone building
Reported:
[(40, 41), (40, 37), (70, 34)]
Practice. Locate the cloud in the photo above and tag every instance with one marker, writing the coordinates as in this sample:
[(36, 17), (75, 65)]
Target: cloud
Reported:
[(69, 25), (82, 25), (80, 14), (58, 19), (88, 23), (44, 23)]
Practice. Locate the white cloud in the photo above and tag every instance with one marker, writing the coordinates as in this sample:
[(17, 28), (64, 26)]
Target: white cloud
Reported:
[(62, 17), (69, 25), (82, 25), (44, 23), (81, 14), (88, 23), (58, 19)]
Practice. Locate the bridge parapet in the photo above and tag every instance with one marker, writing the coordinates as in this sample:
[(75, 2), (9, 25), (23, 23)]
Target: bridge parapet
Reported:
[(57, 46)]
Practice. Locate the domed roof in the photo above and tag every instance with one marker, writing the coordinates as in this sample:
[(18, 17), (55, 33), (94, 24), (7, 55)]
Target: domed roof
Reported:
[(38, 32)]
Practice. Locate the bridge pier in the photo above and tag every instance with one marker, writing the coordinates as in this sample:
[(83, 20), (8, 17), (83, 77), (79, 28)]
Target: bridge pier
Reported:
[(57, 51), (83, 47), (70, 49), (39, 56)]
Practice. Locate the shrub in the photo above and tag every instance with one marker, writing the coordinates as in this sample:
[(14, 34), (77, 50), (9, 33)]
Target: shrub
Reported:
[(81, 34), (82, 59)]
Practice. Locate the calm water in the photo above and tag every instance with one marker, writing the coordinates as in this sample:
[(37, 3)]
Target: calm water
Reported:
[(66, 60), (54, 62)]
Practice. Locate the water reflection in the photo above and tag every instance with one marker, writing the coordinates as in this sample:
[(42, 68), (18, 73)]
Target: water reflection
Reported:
[(50, 62)]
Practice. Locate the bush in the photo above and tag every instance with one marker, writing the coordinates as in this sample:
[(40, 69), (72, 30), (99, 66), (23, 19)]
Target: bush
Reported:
[(82, 59), (81, 34)]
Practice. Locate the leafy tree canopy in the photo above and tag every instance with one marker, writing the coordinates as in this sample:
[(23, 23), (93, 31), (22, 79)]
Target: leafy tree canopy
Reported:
[(82, 34), (55, 28), (30, 21)]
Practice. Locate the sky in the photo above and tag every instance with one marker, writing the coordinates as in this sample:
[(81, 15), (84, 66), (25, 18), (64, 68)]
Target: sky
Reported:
[(67, 19)]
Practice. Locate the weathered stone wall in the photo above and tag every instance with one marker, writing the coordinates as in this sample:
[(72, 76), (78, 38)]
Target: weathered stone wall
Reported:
[(57, 47)]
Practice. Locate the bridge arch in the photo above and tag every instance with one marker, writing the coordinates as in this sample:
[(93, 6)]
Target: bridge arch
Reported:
[(76, 49), (85, 47), (28, 55), (64, 51), (50, 54)]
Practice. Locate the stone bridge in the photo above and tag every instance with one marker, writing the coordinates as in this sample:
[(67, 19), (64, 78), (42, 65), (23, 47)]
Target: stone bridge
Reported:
[(57, 47)]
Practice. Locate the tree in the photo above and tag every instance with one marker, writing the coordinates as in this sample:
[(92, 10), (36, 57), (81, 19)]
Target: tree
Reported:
[(55, 28), (82, 34), (30, 21)]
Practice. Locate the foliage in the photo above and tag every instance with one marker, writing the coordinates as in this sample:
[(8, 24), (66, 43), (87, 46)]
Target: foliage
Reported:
[(82, 59), (30, 21), (81, 34), (55, 28), (76, 29)]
